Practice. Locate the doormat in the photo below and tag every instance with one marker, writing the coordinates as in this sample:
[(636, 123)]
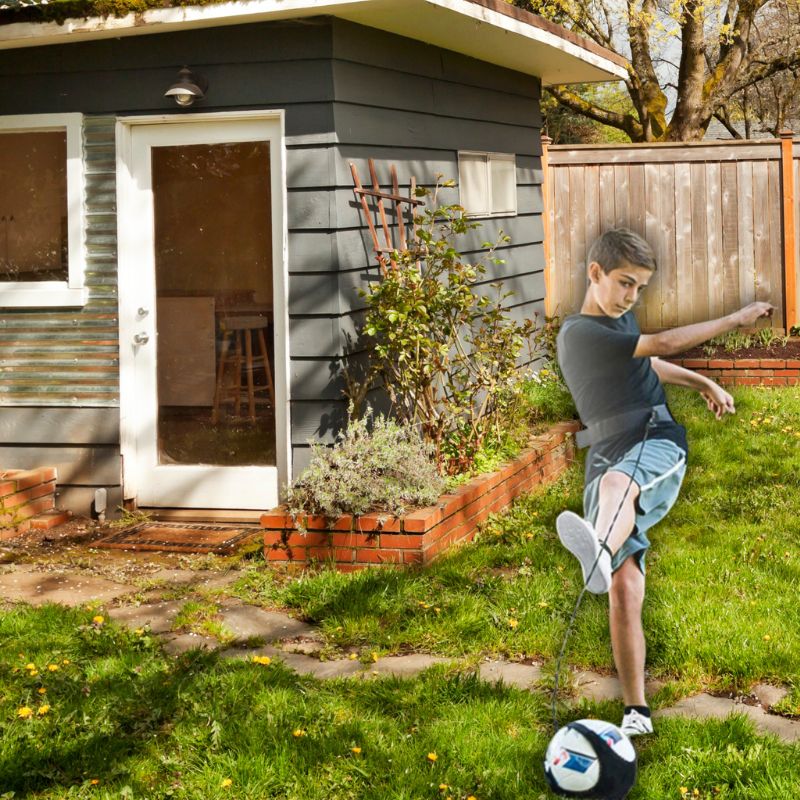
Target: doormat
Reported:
[(176, 538)]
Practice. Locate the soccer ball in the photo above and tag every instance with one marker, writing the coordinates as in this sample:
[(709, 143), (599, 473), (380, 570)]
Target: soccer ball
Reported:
[(590, 758)]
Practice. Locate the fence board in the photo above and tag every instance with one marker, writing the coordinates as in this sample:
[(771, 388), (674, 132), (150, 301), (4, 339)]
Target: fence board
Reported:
[(730, 239), (712, 212)]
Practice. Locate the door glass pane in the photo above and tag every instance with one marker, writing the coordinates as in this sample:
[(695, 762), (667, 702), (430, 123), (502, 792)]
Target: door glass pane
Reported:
[(213, 243)]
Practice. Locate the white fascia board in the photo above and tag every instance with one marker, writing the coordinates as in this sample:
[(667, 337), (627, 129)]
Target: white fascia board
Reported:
[(451, 24)]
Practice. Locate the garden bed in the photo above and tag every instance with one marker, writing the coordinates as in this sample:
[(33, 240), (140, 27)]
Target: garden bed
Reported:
[(355, 542)]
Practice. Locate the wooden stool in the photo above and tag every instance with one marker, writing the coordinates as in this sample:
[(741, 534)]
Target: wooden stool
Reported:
[(239, 331)]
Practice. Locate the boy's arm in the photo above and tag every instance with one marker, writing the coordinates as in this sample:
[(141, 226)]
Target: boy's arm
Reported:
[(717, 399), (676, 340)]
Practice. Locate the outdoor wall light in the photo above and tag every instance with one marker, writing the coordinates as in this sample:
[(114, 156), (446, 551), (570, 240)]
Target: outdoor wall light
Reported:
[(189, 87)]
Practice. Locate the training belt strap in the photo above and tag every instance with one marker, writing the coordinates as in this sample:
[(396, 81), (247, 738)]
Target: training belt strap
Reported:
[(620, 423)]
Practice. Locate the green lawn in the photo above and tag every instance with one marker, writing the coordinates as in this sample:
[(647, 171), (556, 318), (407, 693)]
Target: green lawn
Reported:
[(117, 719)]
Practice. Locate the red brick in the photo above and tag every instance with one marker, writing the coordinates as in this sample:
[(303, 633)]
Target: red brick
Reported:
[(747, 381), (366, 556), (695, 363), (276, 554), (793, 381), (377, 522), (720, 363), (26, 495), (353, 540), (790, 373), (412, 556), (746, 363), (793, 363), (774, 381), (309, 539), (773, 363), (276, 519), (401, 540), (422, 520), (50, 519)]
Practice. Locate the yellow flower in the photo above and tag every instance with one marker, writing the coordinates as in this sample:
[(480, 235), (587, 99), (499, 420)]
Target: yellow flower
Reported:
[(225, 783), (472, 797), (139, 631), (432, 756), (42, 690), (43, 710), (25, 712), (265, 660), (374, 656), (443, 787), (298, 733), (353, 656), (99, 619), (437, 610), (767, 637), (512, 623), (94, 781), (53, 668), (33, 673), (66, 661), (31, 667), (355, 750), (683, 790)]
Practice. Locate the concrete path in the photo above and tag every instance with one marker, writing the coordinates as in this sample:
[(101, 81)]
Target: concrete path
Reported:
[(250, 631)]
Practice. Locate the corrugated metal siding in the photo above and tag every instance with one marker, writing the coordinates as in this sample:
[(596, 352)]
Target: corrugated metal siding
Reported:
[(71, 357)]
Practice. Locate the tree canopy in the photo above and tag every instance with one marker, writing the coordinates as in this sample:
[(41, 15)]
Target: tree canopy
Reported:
[(690, 61)]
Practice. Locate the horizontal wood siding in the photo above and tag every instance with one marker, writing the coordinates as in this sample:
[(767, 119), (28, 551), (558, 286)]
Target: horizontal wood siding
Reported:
[(711, 211), (81, 443), (402, 103)]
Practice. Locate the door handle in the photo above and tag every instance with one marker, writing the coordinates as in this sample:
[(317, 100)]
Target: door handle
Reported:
[(141, 338)]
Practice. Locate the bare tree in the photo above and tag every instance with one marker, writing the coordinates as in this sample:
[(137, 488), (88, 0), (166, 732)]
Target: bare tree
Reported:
[(700, 54)]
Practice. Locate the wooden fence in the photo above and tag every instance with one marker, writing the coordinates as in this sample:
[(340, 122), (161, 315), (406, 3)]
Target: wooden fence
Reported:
[(721, 217)]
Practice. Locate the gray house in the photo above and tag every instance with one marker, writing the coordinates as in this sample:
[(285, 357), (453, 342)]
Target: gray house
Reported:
[(180, 245)]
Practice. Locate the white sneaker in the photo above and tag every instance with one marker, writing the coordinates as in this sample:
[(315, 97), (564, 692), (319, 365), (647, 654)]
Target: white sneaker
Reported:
[(636, 724), (578, 536)]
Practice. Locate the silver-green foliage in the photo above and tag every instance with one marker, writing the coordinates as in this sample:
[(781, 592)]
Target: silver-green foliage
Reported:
[(375, 465)]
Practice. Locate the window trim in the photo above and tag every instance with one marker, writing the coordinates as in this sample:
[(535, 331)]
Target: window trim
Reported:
[(72, 292), (489, 156)]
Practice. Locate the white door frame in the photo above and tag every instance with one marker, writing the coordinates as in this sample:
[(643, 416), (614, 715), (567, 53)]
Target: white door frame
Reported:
[(197, 484)]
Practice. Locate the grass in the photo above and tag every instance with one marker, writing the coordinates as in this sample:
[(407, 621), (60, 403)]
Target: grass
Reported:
[(121, 720)]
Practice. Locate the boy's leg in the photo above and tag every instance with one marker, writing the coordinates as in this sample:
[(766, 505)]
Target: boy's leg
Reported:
[(617, 498), (625, 600)]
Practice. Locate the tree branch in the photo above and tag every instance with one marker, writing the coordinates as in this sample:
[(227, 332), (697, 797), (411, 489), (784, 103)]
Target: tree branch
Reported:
[(624, 122)]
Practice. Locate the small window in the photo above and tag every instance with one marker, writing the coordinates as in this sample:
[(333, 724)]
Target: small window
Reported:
[(488, 184), (42, 251)]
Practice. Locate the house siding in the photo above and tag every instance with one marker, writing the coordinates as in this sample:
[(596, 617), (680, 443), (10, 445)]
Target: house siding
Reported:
[(349, 93)]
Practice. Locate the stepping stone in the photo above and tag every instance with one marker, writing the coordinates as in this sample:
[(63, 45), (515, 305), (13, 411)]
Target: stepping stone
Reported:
[(523, 676), (159, 616), (184, 642), (250, 622), (768, 695), (305, 665), (703, 706), (68, 589), (406, 666), (594, 686)]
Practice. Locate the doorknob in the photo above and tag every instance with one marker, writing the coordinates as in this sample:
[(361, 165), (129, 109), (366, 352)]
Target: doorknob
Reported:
[(141, 338)]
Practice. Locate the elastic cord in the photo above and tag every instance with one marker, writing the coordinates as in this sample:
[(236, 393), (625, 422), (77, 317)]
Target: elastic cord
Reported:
[(603, 546)]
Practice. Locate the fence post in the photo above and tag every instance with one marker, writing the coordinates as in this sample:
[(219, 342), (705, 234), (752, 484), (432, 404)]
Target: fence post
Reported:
[(789, 233), (548, 299)]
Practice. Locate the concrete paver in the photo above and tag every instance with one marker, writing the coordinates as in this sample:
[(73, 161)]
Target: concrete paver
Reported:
[(406, 666), (68, 589), (182, 643), (159, 616), (523, 676), (249, 622)]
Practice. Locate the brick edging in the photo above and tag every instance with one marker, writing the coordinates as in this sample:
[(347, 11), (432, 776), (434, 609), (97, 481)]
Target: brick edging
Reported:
[(745, 371), (420, 536), (24, 496)]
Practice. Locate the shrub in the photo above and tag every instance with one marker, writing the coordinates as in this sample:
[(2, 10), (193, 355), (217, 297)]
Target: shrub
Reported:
[(375, 465), (442, 347)]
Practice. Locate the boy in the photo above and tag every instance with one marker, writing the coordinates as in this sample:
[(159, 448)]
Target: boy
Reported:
[(637, 455)]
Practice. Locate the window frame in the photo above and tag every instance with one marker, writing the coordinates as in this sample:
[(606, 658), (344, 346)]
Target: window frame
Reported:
[(71, 292), (489, 157)]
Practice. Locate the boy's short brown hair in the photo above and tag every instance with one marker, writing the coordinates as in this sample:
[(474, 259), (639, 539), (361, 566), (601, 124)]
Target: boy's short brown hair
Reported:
[(619, 247)]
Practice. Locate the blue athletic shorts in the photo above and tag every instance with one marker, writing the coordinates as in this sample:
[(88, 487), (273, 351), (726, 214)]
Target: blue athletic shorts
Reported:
[(659, 475)]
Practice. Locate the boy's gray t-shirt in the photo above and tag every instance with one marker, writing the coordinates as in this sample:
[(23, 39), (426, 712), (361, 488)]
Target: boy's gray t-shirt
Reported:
[(595, 354)]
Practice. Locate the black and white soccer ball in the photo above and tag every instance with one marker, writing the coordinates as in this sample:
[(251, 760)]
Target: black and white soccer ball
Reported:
[(590, 758)]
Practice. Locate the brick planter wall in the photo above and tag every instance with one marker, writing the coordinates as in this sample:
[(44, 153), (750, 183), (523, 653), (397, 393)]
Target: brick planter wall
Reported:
[(28, 500), (353, 543), (745, 371)]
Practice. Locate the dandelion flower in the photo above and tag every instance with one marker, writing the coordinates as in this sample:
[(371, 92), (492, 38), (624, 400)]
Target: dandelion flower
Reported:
[(99, 619), (66, 661), (25, 712), (432, 757), (42, 690), (472, 797), (43, 710), (140, 632), (94, 781), (355, 750), (374, 656), (353, 656), (31, 667), (53, 668), (767, 637), (512, 623), (225, 783), (443, 787), (298, 733), (264, 660)]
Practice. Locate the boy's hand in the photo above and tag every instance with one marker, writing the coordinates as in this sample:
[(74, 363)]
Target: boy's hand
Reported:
[(747, 316), (719, 402)]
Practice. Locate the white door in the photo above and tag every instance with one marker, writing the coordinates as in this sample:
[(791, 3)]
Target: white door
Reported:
[(203, 311)]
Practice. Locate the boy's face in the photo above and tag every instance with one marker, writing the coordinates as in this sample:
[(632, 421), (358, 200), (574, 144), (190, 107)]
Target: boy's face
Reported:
[(617, 291)]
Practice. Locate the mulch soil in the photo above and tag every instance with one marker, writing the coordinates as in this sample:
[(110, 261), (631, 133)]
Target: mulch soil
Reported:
[(789, 350)]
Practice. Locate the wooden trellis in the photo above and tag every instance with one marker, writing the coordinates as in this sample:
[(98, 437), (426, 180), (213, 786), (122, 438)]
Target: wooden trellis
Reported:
[(385, 251)]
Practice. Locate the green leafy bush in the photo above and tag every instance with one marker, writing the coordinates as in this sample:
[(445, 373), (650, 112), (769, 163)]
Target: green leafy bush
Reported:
[(442, 346), (375, 465)]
